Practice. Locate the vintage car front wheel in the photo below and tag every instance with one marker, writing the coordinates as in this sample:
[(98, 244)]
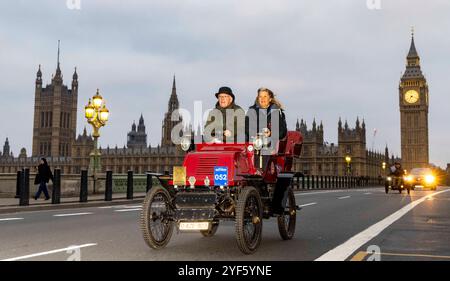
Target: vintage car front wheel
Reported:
[(286, 222), (156, 218), (249, 214)]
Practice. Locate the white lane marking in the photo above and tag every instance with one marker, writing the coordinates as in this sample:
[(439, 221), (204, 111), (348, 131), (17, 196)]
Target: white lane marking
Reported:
[(319, 192), (308, 204), (133, 207), (120, 206), (301, 193), (344, 197), (343, 251), (128, 210), (73, 214), (51, 252), (367, 193), (11, 219)]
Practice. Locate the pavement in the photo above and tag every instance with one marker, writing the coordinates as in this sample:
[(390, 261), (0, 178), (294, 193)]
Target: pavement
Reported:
[(11, 205), (351, 224)]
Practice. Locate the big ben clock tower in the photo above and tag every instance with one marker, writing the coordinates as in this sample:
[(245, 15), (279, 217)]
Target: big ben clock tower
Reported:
[(413, 99)]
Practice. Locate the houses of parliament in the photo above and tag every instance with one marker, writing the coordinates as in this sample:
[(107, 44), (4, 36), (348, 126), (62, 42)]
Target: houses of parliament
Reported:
[(55, 118)]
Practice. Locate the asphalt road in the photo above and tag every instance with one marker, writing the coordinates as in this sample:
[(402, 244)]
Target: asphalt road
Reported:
[(361, 224)]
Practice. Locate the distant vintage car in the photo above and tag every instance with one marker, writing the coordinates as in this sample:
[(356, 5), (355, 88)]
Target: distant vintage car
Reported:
[(396, 183), (422, 177), (220, 181)]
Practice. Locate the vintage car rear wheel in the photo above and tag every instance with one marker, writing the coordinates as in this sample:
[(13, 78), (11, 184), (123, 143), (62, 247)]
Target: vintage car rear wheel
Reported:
[(212, 231), (286, 222), (156, 223), (249, 215)]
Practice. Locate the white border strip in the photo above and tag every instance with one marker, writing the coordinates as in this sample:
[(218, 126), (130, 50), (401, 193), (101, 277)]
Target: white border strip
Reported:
[(343, 251)]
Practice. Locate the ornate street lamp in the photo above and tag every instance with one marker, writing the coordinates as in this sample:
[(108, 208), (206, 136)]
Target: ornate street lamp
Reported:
[(348, 159), (97, 115)]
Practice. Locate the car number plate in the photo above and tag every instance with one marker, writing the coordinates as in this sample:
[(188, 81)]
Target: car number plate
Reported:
[(194, 225), (220, 176)]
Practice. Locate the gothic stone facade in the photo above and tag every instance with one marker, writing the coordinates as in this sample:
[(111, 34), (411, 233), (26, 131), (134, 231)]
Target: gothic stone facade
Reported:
[(321, 158), (54, 137)]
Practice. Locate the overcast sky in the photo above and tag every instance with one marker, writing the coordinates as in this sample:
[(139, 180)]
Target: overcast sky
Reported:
[(324, 59)]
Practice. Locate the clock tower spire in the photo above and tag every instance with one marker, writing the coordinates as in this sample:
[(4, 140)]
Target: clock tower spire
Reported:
[(413, 100)]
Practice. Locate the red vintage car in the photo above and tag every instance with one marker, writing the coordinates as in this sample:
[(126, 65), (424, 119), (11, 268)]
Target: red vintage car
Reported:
[(220, 181)]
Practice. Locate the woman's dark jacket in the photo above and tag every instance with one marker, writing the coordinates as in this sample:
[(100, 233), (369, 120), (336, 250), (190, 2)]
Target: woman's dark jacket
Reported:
[(253, 115)]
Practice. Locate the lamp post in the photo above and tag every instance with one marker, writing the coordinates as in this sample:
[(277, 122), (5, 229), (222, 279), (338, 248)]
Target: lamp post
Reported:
[(97, 115), (348, 159)]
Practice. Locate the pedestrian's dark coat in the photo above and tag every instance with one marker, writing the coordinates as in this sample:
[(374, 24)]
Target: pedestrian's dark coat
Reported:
[(44, 174)]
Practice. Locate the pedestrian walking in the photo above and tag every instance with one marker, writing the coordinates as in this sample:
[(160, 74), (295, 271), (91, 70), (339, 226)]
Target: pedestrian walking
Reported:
[(43, 176)]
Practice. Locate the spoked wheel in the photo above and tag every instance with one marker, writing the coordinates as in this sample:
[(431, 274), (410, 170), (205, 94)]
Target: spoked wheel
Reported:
[(156, 223), (249, 214), (212, 231), (286, 222)]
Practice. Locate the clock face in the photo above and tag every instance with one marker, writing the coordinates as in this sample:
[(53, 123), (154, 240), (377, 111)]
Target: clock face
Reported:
[(411, 96)]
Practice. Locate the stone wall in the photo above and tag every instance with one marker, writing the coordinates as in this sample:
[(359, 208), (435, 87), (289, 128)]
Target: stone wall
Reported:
[(70, 185)]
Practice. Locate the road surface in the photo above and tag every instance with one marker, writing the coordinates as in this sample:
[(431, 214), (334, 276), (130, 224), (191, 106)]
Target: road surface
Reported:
[(358, 224)]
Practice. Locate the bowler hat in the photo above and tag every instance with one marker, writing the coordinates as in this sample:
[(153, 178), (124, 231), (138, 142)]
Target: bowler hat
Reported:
[(225, 90)]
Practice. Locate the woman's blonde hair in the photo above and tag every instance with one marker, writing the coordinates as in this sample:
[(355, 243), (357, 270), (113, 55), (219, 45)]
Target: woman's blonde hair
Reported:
[(271, 95)]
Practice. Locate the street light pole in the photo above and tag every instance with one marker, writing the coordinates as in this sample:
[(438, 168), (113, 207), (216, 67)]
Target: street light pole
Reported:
[(348, 159), (97, 115)]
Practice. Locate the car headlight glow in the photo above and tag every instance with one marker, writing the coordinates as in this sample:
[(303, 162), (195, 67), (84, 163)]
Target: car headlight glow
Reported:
[(389, 178), (429, 178), (185, 144), (408, 178)]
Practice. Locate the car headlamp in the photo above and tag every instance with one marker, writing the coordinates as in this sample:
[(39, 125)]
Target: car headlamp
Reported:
[(185, 143), (408, 178), (192, 181), (250, 148), (429, 178), (206, 181), (258, 143), (389, 178)]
